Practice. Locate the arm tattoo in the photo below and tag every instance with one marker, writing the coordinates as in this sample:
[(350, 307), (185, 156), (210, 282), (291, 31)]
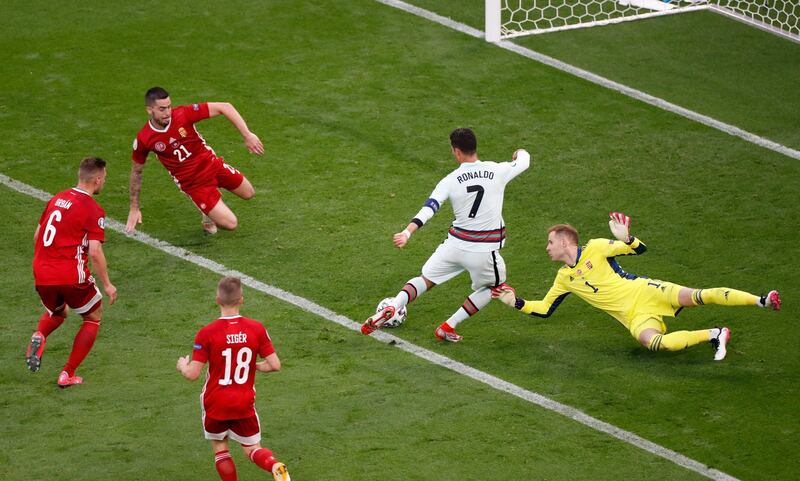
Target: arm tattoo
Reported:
[(136, 184)]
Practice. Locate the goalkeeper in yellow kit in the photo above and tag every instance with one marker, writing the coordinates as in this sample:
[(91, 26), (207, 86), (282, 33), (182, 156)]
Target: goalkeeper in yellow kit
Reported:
[(593, 274)]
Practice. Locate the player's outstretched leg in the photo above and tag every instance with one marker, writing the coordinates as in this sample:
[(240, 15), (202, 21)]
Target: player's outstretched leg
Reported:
[(411, 290), (475, 302), (724, 296), (680, 340)]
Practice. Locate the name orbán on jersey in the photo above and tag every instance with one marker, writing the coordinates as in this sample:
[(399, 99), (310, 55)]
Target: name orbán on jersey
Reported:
[(70, 220)]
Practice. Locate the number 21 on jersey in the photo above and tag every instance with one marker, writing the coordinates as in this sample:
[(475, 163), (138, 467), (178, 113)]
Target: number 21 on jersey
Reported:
[(242, 369), (182, 153)]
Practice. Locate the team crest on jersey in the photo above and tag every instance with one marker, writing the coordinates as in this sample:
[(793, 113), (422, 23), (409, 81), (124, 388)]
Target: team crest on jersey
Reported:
[(182, 131), (160, 147), (101, 222), (579, 272)]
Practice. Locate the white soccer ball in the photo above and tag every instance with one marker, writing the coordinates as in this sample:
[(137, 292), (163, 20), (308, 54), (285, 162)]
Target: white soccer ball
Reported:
[(399, 316)]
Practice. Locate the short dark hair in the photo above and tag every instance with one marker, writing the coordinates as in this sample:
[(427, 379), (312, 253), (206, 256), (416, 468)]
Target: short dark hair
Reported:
[(89, 168), (155, 93), (565, 230), (464, 140), (229, 291)]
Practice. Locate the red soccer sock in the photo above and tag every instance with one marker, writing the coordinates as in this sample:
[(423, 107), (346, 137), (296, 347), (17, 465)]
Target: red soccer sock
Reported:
[(263, 458), (225, 466), (48, 323), (84, 340)]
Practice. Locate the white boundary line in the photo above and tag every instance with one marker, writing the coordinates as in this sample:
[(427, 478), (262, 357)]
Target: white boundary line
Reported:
[(421, 352), (602, 81)]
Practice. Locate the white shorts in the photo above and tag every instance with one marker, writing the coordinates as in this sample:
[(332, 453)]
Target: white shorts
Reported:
[(486, 269)]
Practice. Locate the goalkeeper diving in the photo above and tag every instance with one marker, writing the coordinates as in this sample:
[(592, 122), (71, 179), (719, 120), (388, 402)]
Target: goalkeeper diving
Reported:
[(638, 303)]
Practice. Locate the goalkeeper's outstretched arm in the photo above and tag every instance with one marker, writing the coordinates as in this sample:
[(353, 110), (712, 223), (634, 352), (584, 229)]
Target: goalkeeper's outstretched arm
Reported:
[(543, 308)]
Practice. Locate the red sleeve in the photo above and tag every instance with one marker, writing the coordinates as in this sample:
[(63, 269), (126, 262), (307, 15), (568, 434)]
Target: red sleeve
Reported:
[(140, 152), (96, 224), (201, 347), (265, 344), (196, 112)]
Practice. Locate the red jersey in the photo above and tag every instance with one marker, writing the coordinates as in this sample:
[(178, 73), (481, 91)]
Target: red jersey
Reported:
[(230, 345), (179, 146), (71, 219)]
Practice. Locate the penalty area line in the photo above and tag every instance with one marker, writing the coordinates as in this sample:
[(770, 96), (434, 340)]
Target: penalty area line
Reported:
[(598, 80), (426, 354)]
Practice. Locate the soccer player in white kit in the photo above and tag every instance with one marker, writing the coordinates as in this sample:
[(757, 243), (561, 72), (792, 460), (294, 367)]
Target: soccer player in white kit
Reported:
[(476, 190)]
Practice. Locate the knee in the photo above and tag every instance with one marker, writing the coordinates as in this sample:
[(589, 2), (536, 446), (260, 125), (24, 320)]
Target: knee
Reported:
[(248, 450), (249, 193), (229, 224), (95, 315)]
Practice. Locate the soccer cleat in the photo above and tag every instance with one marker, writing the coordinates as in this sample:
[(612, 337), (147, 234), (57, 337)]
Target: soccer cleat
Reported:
[(447, 333), (209, 227), (377, 320), (33, 356), (280, 473), (773, 300), (65, 380), (720, 343)]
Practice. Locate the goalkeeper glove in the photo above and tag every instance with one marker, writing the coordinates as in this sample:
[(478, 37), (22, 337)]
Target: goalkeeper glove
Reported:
[(506, 294), (619, 225)]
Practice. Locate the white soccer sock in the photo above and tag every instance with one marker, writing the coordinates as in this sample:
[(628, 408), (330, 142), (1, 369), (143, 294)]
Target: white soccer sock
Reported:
[(413, 289), (474, 303)]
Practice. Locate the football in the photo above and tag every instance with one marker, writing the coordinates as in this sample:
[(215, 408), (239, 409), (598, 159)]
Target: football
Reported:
[(399, 316)]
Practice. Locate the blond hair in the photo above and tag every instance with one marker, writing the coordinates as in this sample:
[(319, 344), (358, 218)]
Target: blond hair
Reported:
[(565, 230)]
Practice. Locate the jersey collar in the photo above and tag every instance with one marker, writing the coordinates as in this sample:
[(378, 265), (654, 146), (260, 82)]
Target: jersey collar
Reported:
[(231, 317), (82, 191), (577, 258), (157, 130)]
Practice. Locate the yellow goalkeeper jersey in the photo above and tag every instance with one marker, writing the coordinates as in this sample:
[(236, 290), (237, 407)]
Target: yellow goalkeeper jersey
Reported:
[(598, 279)]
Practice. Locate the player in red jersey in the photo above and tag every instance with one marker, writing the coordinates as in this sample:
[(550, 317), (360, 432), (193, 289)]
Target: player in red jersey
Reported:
[(195, 168), (229, 345), (70, 231)]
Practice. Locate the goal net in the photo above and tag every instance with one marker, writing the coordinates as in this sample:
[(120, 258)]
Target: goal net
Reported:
[(513, 18)]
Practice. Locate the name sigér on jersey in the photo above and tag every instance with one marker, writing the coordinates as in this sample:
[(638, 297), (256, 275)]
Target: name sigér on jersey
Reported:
[(239, 338)]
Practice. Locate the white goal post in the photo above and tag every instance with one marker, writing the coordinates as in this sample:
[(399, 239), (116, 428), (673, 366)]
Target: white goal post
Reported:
[(507, 19)]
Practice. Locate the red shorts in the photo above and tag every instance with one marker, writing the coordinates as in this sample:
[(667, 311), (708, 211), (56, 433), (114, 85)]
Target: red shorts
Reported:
[(81, 298), (246, 431), (206, 196)]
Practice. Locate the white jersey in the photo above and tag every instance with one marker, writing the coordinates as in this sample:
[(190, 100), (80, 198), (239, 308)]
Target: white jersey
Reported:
[(476, 191)]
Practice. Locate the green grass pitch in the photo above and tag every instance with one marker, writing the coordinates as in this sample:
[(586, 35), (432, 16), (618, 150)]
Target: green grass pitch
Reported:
[(354, 101)]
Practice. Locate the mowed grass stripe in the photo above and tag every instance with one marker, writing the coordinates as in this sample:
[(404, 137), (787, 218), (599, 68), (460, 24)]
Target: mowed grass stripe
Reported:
[(390, 339)]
